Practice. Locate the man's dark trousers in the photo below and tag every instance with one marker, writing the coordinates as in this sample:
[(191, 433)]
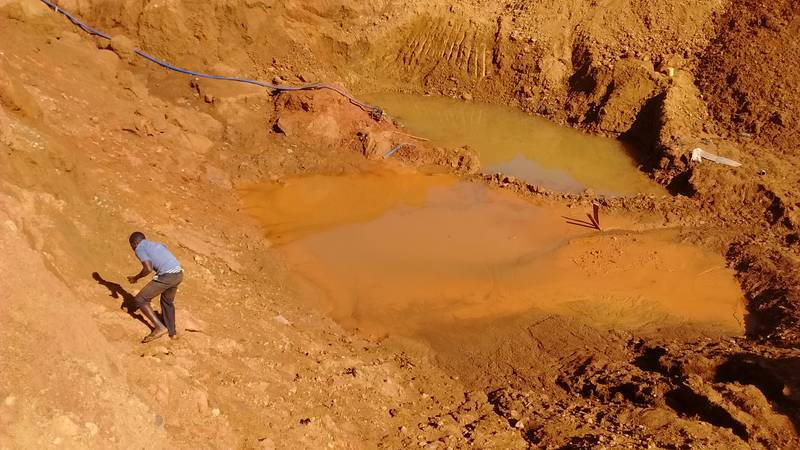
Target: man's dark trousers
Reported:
[(167, 286)]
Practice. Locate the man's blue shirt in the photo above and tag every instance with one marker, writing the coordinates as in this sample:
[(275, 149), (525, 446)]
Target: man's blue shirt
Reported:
[(163, 261)]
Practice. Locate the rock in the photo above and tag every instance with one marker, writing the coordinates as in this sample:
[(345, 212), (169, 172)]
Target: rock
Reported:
[(201, 401), (282, 320), (199, 143), (376, 144), (127, 80), (123, 47), (771, 23), (466, 96), (218, 177), (64, 425), (191, 323), (215, 412), (267, 444), (181, 371), (194, 122), (631, 86), (281, 126), (11, 226), (162, 393), (277, 80), (92, 427), (15, 97), (10, 401)]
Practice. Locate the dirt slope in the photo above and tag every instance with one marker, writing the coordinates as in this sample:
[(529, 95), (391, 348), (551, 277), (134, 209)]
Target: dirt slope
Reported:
[(87, 156), (95, 143)]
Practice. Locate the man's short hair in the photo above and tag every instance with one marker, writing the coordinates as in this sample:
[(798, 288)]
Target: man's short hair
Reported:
[(136, 237)]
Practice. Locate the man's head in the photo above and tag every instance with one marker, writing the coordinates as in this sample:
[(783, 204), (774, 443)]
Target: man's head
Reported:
[(135, 239)]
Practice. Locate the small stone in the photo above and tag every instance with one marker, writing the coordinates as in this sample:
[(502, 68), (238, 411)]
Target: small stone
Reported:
[(215, 412), (509, 179), (65, 425), (277, 80), (57, 441), (10, 401), (267, 443), (466, 96), (123, 47), (92, 427), (282, 320), (208, 98), (282, 127), (191, 323), (162, 394), (201, 401)]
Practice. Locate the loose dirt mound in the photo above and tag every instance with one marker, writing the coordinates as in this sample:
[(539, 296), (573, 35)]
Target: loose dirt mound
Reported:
[(747, 74), (95, 143)]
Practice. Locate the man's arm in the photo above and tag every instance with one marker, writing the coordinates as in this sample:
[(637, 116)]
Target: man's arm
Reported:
[(147, 267)]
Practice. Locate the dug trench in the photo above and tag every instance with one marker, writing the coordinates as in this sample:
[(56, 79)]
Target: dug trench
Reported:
[(96, 142)]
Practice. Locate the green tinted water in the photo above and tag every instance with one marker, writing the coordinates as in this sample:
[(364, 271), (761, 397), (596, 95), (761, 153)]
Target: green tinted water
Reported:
[(527, 147)]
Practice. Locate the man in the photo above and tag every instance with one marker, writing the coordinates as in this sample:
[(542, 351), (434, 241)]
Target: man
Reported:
[(169, 274)]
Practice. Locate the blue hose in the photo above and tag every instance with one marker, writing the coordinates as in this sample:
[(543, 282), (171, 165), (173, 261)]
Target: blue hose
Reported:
[(395, 149), (374, 111), (77, 21)]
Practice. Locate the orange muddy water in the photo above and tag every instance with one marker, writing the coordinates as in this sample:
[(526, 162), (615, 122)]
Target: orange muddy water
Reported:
[(409, 253)]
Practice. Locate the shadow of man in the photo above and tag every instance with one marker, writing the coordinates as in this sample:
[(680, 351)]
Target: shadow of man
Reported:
[(128, 302)]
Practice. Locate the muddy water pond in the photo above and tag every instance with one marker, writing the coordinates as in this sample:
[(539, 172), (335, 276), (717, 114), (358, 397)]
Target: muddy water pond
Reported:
[(406, 254), (518, 144)]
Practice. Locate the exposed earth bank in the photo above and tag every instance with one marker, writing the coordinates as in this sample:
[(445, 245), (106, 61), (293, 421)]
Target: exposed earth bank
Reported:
[(95, 142)]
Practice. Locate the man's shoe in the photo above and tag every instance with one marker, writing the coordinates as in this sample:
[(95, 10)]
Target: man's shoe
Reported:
[(155, 334)]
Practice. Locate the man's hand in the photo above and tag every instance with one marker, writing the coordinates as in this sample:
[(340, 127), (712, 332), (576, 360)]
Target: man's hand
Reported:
[(147, 267)]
